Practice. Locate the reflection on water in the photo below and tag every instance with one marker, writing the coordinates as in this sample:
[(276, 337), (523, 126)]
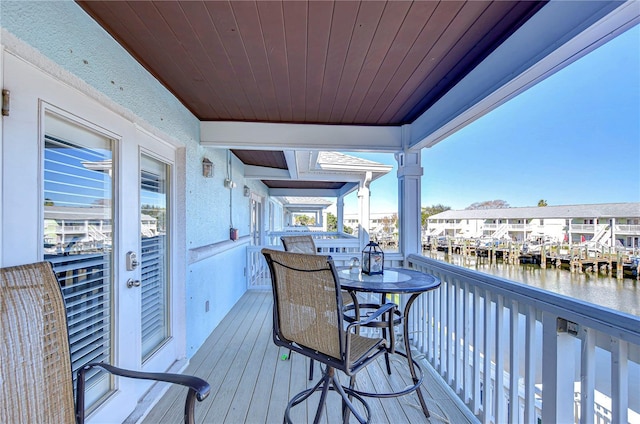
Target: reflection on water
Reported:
[(621, 295)]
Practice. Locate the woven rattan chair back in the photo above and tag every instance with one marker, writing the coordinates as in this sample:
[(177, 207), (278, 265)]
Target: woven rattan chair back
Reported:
[(299, 244), (36, 383), (306, 297)]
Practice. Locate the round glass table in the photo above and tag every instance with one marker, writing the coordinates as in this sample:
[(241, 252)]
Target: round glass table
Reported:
[(393, 281)]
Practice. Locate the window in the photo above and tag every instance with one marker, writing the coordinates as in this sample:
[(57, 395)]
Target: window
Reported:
[(154, 249), (78, 240)]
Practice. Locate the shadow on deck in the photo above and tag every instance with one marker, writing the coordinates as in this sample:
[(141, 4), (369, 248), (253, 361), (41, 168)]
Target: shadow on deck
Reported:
[(252, 384)]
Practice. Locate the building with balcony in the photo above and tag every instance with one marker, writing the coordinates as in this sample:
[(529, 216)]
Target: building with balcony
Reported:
[(181, 125), (610, 224)]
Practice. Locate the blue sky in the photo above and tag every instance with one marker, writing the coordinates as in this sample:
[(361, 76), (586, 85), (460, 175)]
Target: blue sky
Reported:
[(574, 138)]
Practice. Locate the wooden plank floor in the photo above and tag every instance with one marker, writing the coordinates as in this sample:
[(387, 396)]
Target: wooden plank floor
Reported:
[(251, 383)]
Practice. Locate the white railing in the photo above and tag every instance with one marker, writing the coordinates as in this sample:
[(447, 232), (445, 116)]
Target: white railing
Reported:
[(327, 240), (501, 231), (476, 322), (627, 229), (601, 234), (581, 345), (587, 228), (341, 251), (520, 227), (434, 229)]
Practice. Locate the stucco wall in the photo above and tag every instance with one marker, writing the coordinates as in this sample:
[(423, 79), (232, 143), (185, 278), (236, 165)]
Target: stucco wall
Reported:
[(64, 33), (87, 58)]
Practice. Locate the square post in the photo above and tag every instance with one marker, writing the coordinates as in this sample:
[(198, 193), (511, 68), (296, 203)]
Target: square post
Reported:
[(409, 204)]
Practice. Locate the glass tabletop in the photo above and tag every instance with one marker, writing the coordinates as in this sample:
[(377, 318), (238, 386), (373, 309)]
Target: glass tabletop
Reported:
[(393, 280)]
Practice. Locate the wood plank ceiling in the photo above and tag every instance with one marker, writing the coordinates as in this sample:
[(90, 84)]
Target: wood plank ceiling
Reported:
[(322, 62)]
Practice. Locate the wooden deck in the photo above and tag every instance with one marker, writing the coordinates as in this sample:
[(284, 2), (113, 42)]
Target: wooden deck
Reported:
[(252, 384)]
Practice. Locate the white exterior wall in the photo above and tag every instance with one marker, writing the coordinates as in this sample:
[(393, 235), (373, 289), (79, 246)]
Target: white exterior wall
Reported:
[(552, 229), (62, 41)]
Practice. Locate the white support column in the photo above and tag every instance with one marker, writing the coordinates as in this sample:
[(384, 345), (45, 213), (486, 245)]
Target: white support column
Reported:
[(409, 204), (320, 214), (340, 212), (613, 232), (364, 203)]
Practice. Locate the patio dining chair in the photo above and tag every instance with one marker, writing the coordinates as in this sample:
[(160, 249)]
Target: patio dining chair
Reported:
[(36, 381), (305, 244), (299, 244), (308, 319)]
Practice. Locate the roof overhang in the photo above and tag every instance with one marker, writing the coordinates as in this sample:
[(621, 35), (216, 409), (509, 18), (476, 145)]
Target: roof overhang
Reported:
[(558, 35), (318, 174), (285, 78)]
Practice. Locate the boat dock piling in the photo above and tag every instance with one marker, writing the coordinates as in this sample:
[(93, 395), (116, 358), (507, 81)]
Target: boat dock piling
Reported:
[(577, 259)]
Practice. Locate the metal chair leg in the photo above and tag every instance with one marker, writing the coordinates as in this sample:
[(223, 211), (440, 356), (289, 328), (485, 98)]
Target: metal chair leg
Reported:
[(329, 381), (386, 360)]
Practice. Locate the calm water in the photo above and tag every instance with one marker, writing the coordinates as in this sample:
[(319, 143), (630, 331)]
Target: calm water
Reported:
[(622, 295)]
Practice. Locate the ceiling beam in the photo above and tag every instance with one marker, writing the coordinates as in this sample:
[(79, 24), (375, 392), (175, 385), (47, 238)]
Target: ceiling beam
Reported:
[(253, 172), (270, 136), (292, 163), (559, 34), (310, 192)]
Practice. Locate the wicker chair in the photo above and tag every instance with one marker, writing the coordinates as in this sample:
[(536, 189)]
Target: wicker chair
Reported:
[(36, 382), (308, 319)]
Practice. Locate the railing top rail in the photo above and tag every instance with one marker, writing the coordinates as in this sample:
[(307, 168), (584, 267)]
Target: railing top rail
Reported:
[(625, 326), (315, 234)]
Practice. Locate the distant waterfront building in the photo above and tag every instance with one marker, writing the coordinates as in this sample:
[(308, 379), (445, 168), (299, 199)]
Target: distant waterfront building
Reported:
[(379, 222), (609, 224), (89, 229)]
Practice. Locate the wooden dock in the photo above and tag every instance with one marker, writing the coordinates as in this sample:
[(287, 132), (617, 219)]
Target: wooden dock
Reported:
[(578, 259)]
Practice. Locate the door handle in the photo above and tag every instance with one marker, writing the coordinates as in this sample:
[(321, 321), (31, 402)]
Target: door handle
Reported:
[(133, 283)]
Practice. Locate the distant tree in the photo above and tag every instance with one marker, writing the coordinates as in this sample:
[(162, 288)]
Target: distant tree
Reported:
[(389, 223), (489, 204), (305, 220), (432, 210), (542, 203), (332, 224)]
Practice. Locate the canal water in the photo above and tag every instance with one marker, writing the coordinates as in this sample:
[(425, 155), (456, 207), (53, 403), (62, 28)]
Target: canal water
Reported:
[(621, 295)]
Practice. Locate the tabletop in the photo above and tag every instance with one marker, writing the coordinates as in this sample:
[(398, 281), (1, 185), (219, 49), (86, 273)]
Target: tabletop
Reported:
[(393, 280)]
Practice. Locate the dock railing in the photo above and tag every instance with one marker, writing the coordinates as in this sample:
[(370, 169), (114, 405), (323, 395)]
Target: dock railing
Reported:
[(584, 356)]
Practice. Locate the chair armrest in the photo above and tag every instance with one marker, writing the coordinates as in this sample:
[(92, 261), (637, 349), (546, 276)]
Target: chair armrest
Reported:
[(387, 307), (198, 388)]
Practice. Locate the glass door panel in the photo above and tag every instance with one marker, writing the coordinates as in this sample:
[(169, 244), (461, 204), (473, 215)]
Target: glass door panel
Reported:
[(78, 211), (154, 251)]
